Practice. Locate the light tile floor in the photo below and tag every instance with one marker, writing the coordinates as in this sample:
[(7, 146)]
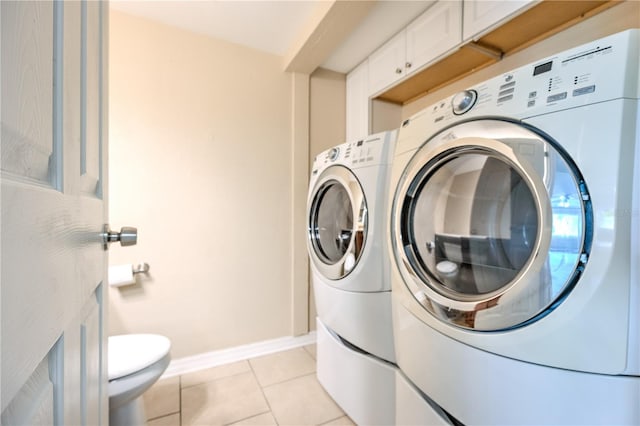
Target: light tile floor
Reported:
[(276, 389)]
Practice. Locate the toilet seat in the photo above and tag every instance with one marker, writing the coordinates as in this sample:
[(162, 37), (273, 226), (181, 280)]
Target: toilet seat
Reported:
[(130, 353)]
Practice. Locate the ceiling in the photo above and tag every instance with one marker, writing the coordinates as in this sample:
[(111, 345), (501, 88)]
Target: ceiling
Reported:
[(274, 26)]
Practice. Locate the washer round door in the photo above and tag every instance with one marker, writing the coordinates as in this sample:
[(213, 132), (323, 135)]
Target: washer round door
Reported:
[(337, 222), (491, 225)]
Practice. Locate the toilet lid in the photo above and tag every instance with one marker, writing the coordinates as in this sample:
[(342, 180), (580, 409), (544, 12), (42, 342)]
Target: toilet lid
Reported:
[(129, 353)]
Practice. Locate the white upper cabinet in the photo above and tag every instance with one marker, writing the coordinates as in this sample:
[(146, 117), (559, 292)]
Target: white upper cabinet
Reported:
[(387, 64), (433, 33), (357, 121), (483, 15)]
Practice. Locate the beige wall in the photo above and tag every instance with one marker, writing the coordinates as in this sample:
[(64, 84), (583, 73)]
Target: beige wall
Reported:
[(618, 18), (385, 116), (201, 162), (328, 91), (299, 185)]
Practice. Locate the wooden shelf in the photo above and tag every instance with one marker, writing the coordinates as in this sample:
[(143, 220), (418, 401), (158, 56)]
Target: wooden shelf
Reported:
[(537, 23)]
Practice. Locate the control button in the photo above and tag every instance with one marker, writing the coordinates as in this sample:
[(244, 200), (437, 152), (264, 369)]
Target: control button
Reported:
[(506, 92), (584, 90), (533, 94), (557, 97), (464, 101), (508, 85), (531, 103), (333, 154)]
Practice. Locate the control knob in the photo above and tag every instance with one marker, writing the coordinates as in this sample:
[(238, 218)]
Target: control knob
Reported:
[(464, 101), (333, 154)]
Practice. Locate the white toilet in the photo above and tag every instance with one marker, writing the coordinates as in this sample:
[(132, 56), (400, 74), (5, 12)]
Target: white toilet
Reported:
[(136, 361)]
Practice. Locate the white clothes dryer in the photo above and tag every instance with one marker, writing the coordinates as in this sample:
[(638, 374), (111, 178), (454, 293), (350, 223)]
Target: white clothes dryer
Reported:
[(347, 218), (515, 236)]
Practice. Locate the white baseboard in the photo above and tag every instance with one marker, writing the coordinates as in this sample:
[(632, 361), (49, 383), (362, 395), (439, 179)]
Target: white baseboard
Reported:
[(225, 356)]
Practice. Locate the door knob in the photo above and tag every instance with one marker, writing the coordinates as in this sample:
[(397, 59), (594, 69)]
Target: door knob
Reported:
[(128, 236)]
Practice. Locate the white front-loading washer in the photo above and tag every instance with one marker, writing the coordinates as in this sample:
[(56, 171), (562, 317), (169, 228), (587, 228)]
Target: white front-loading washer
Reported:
[(346, 212), (347, 222), (347, 208), (514, 233)]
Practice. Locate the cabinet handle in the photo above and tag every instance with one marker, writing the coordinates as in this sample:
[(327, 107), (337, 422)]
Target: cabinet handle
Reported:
[(408, 64), (398, 70)]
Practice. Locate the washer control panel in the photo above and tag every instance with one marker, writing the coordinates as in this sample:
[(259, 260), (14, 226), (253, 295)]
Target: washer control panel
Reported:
[(371, 151), (594, 72), (364, 151)]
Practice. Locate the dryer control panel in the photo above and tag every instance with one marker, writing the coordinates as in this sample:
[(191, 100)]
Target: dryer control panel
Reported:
[(364, 151), (595, 72), (373, 150)]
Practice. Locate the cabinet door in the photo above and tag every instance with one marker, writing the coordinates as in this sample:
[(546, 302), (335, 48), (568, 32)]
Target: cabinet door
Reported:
[(482, 15), (436, 31), (358, 102), (386, 65)]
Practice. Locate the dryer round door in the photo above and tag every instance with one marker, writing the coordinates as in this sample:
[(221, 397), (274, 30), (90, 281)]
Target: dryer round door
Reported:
[(491, 225), (337, 222)]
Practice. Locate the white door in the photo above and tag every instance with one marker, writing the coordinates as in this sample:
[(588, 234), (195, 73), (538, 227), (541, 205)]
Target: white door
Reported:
[(54, 188)]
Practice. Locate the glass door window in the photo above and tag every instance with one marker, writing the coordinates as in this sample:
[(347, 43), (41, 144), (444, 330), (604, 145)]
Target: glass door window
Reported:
[(337, 222), (487, 229), (491, 225), (333, 225)]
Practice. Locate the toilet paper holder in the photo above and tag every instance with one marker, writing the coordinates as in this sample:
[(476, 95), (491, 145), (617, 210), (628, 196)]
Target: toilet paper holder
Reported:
[(142, 268)]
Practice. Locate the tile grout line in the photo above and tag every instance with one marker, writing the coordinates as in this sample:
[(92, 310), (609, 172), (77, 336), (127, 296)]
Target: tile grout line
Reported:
[(262, 391), (179, 412), (315, 370), (216, 379), (313, 373), (251, 369)]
